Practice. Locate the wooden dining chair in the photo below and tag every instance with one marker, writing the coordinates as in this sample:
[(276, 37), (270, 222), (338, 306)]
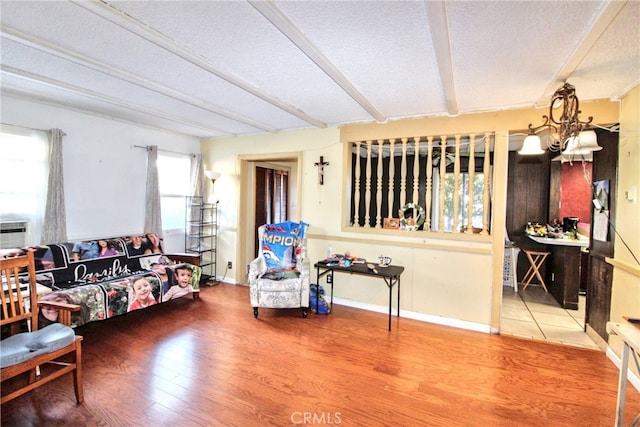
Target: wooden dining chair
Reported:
[(38, 355)]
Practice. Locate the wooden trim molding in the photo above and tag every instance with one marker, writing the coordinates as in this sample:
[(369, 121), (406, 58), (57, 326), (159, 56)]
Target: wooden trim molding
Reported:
[(483, 248), (631, 269)]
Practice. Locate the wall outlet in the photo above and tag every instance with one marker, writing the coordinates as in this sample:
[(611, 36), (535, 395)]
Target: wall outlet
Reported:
[(229, 265), (631, 194), (329, 278)]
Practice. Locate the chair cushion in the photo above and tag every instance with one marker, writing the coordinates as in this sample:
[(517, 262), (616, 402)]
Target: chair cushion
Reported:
[(286, 285), (21, 347), (280, 275)]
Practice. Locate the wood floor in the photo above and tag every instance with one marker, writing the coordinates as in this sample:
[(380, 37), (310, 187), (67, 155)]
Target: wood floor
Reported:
[(210, 363)]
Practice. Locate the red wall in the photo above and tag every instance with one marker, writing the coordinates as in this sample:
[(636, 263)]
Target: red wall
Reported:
[(575, 191)]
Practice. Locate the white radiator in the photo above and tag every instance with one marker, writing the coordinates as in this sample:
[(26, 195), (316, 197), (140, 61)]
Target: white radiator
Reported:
[(13, 234)]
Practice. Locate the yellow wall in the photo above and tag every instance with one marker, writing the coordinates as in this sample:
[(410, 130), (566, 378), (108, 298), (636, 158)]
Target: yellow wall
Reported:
[(625, 297), (446, 280)]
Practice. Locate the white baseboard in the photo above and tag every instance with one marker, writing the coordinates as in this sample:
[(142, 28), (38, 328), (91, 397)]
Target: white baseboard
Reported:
[(617, 361), (438, 320)]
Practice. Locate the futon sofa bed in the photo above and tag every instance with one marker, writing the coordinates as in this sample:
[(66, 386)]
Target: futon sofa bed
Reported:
[(109, 277)]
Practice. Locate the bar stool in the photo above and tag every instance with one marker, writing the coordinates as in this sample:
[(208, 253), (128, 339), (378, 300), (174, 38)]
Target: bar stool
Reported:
[(536, 259)]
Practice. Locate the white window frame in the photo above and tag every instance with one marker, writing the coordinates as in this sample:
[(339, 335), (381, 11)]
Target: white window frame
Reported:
[(174, 174), (24, 173)]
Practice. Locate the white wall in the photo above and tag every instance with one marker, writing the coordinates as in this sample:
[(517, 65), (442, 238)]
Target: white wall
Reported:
[(625, 292), (104, 175)]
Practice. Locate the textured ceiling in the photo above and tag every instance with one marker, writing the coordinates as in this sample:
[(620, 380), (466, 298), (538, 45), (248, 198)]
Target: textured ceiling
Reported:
[(221, 68)]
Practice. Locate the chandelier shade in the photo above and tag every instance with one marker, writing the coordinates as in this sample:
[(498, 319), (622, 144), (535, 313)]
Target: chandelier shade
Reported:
[(531, 146), (573, 147), (588, 140)]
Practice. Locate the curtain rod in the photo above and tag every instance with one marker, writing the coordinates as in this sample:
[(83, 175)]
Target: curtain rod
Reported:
[(28, 128), (148, 147)]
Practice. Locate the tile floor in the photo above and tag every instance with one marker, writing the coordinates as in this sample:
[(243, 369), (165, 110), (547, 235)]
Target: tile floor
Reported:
[(535, 314)]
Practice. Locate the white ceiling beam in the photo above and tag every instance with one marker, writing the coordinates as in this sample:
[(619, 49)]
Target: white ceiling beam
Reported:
[(608, 12), (126, 22), (76, 58), (46, 81), (29, 96), (439, 27), (279, 20)]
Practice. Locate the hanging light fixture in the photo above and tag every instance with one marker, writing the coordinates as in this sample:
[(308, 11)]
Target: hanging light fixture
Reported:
[(567, 133)]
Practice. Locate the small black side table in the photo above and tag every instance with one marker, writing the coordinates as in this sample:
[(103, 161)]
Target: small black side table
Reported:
[(390, 275)]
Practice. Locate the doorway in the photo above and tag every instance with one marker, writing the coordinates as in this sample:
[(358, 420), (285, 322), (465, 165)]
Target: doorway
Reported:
[(533, 194), (270, 191)]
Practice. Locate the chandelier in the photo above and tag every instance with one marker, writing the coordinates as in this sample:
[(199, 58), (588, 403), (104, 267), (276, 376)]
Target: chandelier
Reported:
[(566, 132)]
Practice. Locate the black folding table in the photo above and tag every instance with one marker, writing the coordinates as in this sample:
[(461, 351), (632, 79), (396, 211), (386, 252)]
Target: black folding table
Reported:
[(390, 274)]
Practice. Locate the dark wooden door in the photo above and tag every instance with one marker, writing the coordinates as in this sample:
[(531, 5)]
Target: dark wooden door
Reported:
[(272, 205), (600, 273), (261, 198)]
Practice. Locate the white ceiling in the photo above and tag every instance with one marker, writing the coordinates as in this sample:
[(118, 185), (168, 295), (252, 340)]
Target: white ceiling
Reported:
[(221, 68)]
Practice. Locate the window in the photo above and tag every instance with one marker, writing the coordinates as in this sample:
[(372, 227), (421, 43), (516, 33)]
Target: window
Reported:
[(174, 175), (463, 192), (24, 170), (431, 184)]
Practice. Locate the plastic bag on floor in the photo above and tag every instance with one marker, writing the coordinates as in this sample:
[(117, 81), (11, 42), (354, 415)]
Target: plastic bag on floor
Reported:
[(318, 301)]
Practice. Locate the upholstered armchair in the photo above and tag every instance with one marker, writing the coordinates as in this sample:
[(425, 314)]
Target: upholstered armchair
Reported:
[(279, 276)]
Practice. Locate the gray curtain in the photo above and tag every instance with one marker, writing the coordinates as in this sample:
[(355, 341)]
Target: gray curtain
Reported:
[(54, 228), (197, 183), (197, 176), (153, 212)]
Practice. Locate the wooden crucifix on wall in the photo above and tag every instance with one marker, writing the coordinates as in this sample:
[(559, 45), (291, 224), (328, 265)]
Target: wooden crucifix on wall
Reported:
[(321, 164)]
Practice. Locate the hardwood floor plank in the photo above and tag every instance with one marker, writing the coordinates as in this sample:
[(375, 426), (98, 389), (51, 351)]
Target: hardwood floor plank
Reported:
[(210, 363)]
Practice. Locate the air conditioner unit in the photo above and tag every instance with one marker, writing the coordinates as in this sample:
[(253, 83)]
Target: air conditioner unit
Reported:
[(13, 234)]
